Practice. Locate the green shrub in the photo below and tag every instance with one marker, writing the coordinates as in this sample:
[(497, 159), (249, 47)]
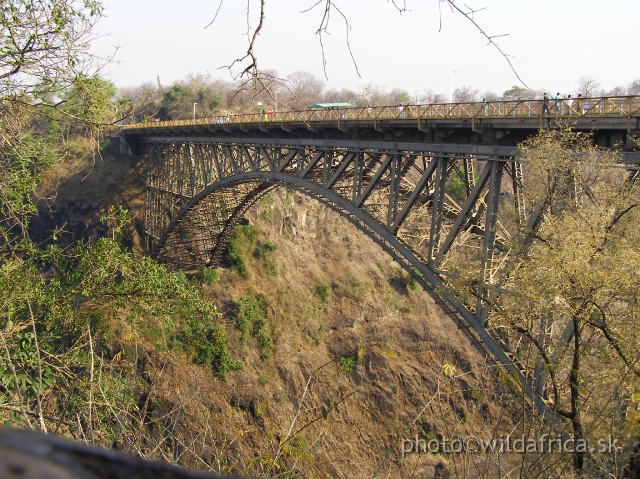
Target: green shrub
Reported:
[(207, 275), (412, 279), (251, 320), (412, 283), (347, 363), (249, 312), (24, 363), (323, 292), (267, 213), (212, 351), (463, 415), (265, 344), (474, 393), (240, 246), (456, 187), (297, 448), (265, 249), (320, 335), (426, 432), (266, 202), (74, 149)]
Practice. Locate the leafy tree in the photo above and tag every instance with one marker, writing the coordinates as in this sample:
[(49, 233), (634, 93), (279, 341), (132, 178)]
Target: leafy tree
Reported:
[(572, 297), (44, 48), (89, 103), (207, 99), (400, 96), (59, 309), (23, 158), (44, 44), (147, 98), (518, 93), (177, 103)]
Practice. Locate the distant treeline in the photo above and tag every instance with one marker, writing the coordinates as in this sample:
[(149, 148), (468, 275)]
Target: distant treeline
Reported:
[(202, 95)]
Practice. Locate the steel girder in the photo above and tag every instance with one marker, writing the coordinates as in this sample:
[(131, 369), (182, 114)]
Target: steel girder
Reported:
[(421, 202)]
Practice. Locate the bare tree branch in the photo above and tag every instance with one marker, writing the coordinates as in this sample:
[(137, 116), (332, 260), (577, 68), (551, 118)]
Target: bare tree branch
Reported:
[(324, 29), (490, 38), (252, 72), (216, 15), (252, 68)]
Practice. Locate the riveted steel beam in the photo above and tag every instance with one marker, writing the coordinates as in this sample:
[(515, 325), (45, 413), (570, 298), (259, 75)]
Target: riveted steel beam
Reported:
[(465, 215), (488, 245), (424, 179), (382, 169), (437, 206)]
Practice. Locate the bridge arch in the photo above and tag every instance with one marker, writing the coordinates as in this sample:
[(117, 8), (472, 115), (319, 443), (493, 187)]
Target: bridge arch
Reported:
[(199, 189), (254, 185), (260, 184)]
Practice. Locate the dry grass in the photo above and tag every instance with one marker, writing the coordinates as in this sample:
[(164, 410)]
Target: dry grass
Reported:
[(399, 338)]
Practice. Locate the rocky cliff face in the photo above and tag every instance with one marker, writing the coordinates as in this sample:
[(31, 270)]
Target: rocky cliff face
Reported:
[(362, 366), (354, 370)]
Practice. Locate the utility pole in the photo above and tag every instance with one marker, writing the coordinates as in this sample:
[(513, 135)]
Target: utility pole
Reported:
[(194, 110)]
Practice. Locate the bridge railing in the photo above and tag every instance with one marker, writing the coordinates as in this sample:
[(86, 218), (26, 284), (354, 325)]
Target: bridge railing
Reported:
[(601, 107)]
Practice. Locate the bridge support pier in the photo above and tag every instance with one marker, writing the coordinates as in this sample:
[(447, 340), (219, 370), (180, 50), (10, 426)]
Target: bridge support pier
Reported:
[(124, 146)]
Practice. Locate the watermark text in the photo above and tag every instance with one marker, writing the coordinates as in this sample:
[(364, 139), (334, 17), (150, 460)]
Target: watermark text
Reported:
[(546, 443)]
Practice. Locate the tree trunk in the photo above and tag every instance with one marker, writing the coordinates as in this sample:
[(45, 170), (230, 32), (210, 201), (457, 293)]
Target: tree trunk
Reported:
[(576, 421)]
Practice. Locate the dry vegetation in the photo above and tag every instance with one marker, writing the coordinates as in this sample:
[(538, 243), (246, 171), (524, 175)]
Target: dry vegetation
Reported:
[(356, 353)]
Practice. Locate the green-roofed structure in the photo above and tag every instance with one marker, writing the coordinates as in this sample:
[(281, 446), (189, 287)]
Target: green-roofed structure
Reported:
[(331, 105)]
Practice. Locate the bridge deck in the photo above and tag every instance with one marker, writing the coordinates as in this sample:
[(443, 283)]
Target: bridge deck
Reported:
[(605, 112)]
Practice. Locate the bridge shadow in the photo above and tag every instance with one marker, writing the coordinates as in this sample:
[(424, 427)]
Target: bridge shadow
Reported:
[(73, 195)]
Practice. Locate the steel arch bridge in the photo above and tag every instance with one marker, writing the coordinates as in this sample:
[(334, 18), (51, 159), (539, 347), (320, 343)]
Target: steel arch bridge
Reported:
[(400, 195), (426, 204)]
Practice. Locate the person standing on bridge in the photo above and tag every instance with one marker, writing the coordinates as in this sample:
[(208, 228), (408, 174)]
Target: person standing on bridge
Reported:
[(545, 105), (577, 104), (558, 103)]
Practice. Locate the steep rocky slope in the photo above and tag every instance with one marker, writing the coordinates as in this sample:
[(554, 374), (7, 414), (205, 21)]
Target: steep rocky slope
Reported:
[(360, 360)]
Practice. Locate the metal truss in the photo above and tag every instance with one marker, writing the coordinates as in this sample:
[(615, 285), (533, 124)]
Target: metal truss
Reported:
[(427, 205)]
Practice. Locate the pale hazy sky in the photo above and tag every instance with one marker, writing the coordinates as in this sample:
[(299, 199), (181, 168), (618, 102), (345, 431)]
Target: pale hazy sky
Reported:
[(553, 42)]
